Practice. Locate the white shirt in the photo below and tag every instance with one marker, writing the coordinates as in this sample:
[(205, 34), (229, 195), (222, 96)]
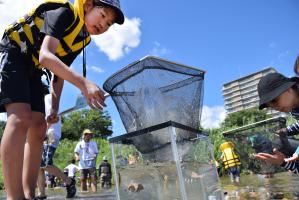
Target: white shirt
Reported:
[(72, 169), (87, 152), (54, 130)]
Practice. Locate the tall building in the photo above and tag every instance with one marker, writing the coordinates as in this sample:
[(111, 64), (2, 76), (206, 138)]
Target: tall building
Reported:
[(242, 93)]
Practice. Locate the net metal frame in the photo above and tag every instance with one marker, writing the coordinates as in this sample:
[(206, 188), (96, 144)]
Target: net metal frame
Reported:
[(262, 130), (167, 77)]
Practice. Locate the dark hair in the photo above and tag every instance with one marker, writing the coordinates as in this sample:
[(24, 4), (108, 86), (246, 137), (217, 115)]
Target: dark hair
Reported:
[(73, 161), (296, 65), (296, 86)]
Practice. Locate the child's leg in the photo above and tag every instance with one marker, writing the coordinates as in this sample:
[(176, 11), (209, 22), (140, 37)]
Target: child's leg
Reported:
[(33, 153), (83, 179), (58, 173), (41, 183), (93, 179), (12, 148)]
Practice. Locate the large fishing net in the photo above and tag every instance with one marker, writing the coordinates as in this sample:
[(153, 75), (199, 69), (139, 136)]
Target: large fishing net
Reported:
[(260, 137), (151, 91)]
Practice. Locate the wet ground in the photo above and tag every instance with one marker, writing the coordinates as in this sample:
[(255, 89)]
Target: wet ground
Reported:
[(252, 187)]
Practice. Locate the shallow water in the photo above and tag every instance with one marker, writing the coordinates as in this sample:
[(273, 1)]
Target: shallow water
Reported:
[(254, 187), (160, 181), (59, 194)]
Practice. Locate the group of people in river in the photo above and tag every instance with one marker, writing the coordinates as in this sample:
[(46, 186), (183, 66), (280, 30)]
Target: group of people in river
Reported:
[(86, 152)]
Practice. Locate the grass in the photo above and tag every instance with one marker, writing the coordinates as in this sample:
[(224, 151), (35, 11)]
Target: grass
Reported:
[(65, 152)]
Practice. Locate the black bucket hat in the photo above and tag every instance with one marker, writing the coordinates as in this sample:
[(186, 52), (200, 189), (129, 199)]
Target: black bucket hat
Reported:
[(116, 6), (296, 65), (271, 86)]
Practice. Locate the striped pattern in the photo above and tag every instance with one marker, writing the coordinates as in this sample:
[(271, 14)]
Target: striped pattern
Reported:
[(293, 129), (291, 166), (25, 32)]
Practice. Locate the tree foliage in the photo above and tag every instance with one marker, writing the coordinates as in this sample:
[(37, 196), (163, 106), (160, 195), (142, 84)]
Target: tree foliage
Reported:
[(65, 152), (236, 120), (243, 117), (96, 120), (2, 126)]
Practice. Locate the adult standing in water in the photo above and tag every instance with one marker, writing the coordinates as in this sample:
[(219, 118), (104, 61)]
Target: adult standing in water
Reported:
[(105, 173), (86, 152)]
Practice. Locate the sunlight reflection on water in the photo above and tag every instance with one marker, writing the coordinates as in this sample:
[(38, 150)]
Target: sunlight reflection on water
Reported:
[(281, 186), (254, 187)]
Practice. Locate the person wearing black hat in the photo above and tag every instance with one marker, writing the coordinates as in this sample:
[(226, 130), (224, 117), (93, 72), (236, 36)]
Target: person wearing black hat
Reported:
[(282, 94), (292, 129), (278, 92)]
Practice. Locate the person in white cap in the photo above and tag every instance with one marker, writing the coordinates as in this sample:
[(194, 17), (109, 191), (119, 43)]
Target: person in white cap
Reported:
[(86, 152)]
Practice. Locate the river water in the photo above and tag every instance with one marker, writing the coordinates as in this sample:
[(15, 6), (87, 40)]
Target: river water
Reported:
[(282, 186), (252, 187)]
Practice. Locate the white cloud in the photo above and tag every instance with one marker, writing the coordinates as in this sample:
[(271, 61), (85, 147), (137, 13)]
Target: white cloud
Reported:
[(95, 69), (158, 50), (11, 10), (212, 116), (119, 39)]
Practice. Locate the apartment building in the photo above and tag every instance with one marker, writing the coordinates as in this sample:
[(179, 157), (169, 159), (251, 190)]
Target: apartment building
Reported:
[(242, 93)]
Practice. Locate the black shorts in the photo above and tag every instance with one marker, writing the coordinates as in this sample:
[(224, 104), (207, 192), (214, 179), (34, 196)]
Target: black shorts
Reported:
[(91, 172), (20, 82)]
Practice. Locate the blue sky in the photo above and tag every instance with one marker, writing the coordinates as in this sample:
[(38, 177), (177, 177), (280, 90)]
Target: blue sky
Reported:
[(226, 38)]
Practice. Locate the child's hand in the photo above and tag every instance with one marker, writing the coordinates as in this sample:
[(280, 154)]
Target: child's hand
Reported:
[(94, 95), (281, 132), (276, 158), (291, 159), (53, 117)]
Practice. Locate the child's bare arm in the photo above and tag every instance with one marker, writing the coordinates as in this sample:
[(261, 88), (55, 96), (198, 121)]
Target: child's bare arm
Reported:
[(47, 58), (291, 159), (56, 89)]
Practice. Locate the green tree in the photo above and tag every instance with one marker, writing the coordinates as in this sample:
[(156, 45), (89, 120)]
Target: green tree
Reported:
[(243, 117), (216, 139), (2, 126), (96, 120)]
